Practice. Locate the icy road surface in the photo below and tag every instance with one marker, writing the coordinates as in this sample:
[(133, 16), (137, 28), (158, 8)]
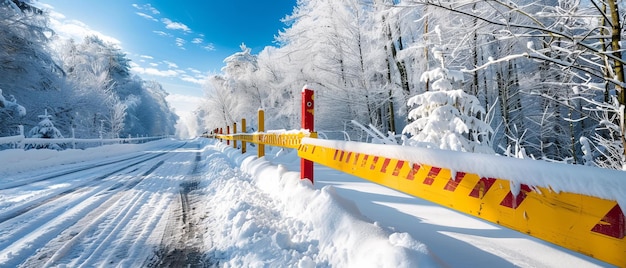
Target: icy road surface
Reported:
[(109, 212)]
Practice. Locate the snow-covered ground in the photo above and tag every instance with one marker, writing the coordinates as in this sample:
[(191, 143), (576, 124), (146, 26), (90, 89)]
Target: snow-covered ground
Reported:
[(201, 203)]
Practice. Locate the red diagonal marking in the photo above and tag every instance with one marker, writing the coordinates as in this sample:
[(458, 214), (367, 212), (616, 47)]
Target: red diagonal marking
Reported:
[(364, 160), (414, 170), (513, 203), (396, 170), (481, 187), (356, 158), (341, 156), (385, 164), (430, 178), (452, 184), (373, 166), (335, 157), (348, 157), (613, 224)]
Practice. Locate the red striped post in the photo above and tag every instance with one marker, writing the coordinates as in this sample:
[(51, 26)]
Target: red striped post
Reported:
[(306, 166), (261, 148)]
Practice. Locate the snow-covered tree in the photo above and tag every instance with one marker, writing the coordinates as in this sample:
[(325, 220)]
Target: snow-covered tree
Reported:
[(541, 69), (447, 118), (45, 130)]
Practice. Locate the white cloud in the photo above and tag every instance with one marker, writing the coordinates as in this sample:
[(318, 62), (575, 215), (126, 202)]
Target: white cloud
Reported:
[(209, 47), (147, 7), (56, 15), (170, 64), (184, 103), (153, 71), (180, 43), (194, 70), (162, 33), (77, 30), (200, 80), (200, 40), (146, 57), (146, 16), (169, 24)]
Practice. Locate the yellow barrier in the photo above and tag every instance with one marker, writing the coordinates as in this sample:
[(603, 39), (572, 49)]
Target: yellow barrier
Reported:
[(589, 225), (284, 140), (592, 226)]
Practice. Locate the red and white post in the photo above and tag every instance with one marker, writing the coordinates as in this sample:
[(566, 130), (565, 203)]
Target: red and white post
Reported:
[(308, 111)]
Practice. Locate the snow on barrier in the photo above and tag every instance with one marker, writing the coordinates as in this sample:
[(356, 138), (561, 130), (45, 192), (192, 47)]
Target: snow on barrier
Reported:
[(576, 207), (590, 225)]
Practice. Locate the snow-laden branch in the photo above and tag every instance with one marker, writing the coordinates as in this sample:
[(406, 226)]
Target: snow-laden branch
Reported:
[(492, 61), (541, 28)]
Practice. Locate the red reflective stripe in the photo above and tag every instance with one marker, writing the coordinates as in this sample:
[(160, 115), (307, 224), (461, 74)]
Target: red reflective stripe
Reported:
[(364, 160), (452, 184), (396, 171), (430, 178), (511, 202), (385, 164), (481, 187), (414, 170), (612, 224), (373, 166)]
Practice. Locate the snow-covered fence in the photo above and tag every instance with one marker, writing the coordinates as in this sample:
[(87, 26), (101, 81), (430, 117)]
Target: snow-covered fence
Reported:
[(20, 141)]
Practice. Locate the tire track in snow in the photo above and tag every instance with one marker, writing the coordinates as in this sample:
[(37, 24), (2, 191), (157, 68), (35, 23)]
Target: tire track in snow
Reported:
[(182, 243), (57, 174), (122, 209), (54, 195), (71, 206)]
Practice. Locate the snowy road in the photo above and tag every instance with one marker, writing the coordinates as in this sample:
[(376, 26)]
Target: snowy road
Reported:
[(93, 213), (198, 203)]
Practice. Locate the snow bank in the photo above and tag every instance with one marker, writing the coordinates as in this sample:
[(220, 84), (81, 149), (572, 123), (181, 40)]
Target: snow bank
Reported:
[(604, 183), (319, 228)]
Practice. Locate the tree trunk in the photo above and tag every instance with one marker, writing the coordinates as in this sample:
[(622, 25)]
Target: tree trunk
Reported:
[(618, 66)]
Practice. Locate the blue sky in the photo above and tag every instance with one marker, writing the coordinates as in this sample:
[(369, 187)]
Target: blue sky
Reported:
[(174, 42)]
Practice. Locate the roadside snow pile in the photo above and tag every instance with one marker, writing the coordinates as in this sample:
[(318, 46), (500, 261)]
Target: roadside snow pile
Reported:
[(296, 225)]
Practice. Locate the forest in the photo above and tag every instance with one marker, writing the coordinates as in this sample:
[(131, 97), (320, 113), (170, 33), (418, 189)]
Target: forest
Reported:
[(527, 79), (84, 86)]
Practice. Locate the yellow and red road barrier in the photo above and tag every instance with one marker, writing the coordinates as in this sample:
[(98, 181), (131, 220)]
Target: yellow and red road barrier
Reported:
[(280, 139), (584, 223), (590, 225)]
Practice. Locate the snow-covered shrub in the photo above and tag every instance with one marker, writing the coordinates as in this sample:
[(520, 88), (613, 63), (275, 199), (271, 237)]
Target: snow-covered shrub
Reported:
[(447, 118), (45, 130)]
